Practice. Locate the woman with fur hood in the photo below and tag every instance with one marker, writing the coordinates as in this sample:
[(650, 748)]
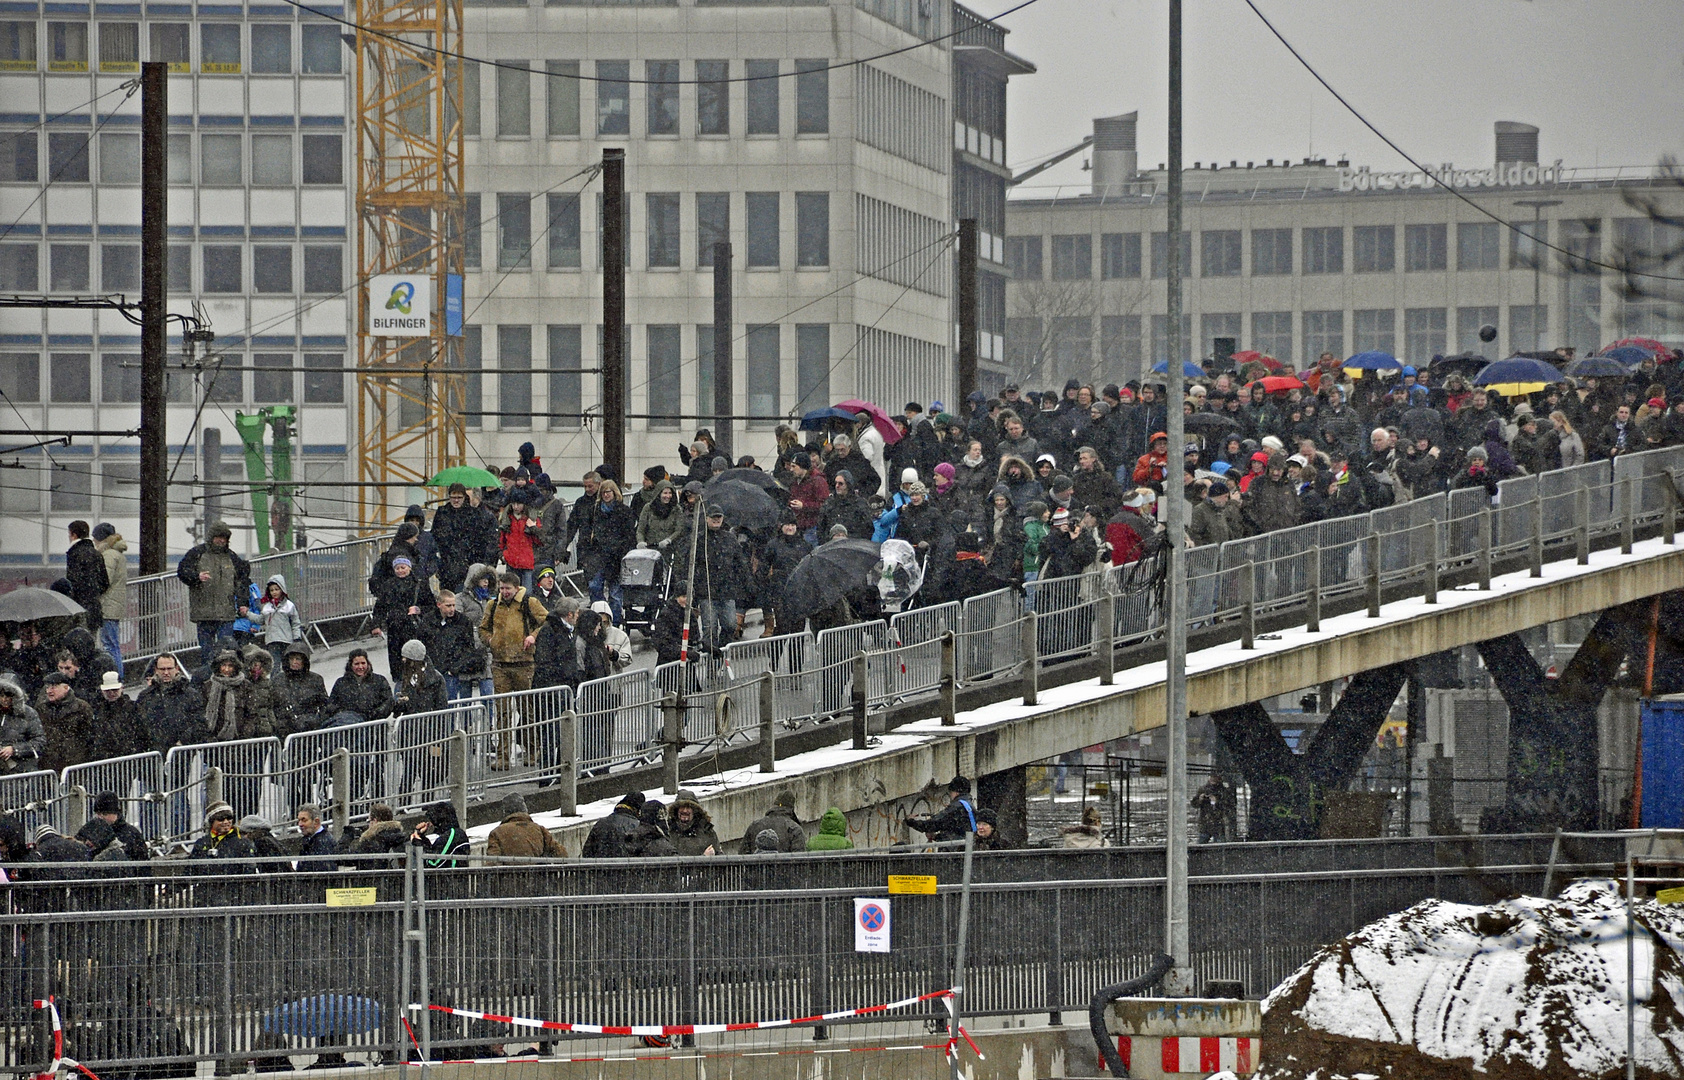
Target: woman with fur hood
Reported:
[(692, 832), (22, 738)]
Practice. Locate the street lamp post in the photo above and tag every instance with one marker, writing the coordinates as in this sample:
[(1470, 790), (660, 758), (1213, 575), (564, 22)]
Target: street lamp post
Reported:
[(1538, 206)]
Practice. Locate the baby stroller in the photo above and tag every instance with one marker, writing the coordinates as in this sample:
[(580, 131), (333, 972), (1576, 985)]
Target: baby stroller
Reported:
[(644, 578)]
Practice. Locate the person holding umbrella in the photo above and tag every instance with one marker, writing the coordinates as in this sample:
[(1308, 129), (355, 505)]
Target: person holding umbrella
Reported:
[(778, 559), (719, 579)]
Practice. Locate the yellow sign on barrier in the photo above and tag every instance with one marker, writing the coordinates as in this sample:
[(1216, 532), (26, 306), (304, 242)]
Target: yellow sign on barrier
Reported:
[(350, 897), (1670, 896), (912, 885)]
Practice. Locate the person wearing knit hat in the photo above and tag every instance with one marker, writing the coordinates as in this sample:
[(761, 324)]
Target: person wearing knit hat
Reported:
[(780, 820), (908, 476), (609, 836), (952, 821)]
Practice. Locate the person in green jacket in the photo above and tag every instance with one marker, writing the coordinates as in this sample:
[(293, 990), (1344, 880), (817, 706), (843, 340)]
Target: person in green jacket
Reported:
[(832, 834), (1034, 539)]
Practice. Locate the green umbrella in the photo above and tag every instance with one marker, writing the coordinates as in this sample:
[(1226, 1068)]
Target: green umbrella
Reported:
[(467, 475)]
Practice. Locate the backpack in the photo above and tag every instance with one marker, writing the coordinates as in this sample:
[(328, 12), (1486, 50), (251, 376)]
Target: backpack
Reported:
[(532, 624)]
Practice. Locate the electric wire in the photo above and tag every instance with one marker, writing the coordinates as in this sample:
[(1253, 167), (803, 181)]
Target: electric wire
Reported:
[(133, 87)]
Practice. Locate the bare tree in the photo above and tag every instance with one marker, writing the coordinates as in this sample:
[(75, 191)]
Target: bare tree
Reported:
[(1651, 260), (1051, 304)]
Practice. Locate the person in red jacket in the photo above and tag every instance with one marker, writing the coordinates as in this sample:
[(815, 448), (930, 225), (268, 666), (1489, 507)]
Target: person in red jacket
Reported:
[(1150, 468), (807, 495), (1259, 465), (518, 531), (1131, 527)]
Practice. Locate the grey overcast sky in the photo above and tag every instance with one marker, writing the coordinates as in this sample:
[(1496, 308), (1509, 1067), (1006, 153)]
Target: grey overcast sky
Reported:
[(1603, 79)]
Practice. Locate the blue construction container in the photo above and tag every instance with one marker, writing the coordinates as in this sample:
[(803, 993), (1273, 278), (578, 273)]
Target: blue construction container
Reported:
[(1663, 762)]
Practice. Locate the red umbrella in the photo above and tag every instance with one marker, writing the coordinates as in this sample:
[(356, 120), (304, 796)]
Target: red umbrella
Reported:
[(1276, 383), (1247, 356), (880, 420), (1660, 351)]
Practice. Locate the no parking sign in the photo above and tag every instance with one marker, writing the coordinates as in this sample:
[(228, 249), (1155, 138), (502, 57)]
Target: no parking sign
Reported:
[(871, 926)]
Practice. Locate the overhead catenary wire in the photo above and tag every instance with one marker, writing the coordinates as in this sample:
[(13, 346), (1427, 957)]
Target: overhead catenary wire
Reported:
[(133, 87)]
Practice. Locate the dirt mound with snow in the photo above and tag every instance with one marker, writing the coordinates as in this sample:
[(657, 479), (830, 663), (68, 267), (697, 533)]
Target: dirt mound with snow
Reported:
[(1525, 989)]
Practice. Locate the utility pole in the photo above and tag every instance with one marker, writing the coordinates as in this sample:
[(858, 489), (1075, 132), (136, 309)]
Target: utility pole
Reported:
[(210, 442), (722, 374), (1179, 982), (1538, 325), (614, 312), (967, 316), (154, 281)]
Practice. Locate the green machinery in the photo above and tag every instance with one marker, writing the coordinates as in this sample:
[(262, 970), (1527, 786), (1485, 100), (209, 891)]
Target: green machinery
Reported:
[(275, 476)]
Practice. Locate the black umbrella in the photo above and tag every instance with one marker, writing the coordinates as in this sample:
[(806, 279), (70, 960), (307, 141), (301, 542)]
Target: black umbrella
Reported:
[(30, 604), (1465, 364), (763, 480), (1597, 367), (834, 571), (1209, 423), (744, 504)]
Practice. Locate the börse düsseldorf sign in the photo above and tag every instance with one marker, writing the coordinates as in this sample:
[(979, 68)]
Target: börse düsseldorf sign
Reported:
[(1514, 174)]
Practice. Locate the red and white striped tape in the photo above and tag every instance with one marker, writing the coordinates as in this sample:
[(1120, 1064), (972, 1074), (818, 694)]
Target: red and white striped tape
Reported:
[(678, 1029), (1206, 1054), (804, 1052), (59, 1060)]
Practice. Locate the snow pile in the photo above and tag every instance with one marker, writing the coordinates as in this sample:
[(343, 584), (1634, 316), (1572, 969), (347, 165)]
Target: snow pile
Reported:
[(1524, 988)]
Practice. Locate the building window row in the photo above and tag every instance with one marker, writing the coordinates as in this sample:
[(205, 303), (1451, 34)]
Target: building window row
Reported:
[(1322, 250), (224, 48), (107, 485), (225, 159), (112, 377), (709, 94), (109, 267), (901, 119)]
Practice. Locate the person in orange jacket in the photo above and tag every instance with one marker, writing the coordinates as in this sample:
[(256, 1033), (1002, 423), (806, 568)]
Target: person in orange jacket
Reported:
[(1150, 468)]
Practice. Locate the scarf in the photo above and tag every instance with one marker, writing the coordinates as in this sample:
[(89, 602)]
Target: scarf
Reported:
[(971, 462), (222, 705), (663, 509)]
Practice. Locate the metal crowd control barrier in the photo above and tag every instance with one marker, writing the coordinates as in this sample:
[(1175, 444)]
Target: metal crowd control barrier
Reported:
[(915, 662), (619, 720), (837, 648), (792, 660), (244, 768), (136, 780)]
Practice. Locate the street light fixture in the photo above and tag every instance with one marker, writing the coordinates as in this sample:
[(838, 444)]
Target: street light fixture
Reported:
[(1538, 206)]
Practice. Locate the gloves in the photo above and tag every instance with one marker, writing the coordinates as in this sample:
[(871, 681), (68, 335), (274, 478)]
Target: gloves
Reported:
[(641, 546)]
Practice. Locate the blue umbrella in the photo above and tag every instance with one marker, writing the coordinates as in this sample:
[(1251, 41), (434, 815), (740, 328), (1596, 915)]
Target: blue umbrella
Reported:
[(1373, 360), (323, 1015), (1629, 355), (1598, 367), (1518, 371), (1189, 370), (820, 419)]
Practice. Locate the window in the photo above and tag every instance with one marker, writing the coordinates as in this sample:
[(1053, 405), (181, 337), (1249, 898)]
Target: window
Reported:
[(1374, 330), (713, 224), (170, 45), (613, 97), (119, 378), (119, 158), (67, 158), (1023, 257), (180, 158), (1468, 322), (20, 376), (271, 160), (812, 366), (219, 48), (1528, 326), (763, 369), (1424, 247), (324, 382), (472, 354), (320, 54), (72, 488), (1324, 250), (119, 268), (25, 497), (1271, 334), (179, 265), (219, 160), (713, 97), (118, 483), (224, 379), (704, 369), (812, 228), (762, 93), (514, 376), (566, 385), (71, 377), (67, 46), (1119, 256), (324, 159), (1072, 257), (221, 268), (470, 99), (17, 46), (20, 153), (119, 46), (661, 228), (514, 233), (70, 267), (661, 91), (561, 98), (1476, 245), (1324, 332), (472, 222), (1023, 343), (271, 378), (1219, 254), (514, 99), (1119, 342), (665, 367), (812, 97), (324, 268), (1424, 330), (762, 229), (1160, 255), (271, 51), (1213, 325), (1374, 249), (1526, 242), (1072, 343), (271, 269), (1160, 338), (1271, 252), (20, 269), (564, 242)]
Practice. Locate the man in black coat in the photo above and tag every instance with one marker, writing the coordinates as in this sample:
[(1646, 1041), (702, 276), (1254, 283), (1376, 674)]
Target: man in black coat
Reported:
[(608, 838), (109, 809), (461, 532), (170, 706), (84, 567), (952, 821), (316, 840), (304, 691), (781, 820), (668, 631), (117, 728), (555, 653), (453, 645)]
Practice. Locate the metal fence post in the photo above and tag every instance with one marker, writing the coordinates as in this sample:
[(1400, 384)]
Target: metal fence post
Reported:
[(1538, 535), (459, 773), (862, 694), (1031, 663), (1669, 512), (1106, 637), (1627, 511), (75, 809), (1248, 606), (569, 764), (1432, 564), (1055, 972), (213, 785), (672, 739), (949, 678), (1485, 548), (1312, 586), (1582, 504), (768, 724), (1371, 551), (340, 770)]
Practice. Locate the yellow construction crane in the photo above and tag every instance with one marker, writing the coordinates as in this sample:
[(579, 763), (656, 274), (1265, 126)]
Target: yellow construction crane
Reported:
[(410, 209)]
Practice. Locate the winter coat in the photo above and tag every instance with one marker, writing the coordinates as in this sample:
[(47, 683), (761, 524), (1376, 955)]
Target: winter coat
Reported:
[(68, 724), (667, 633), (393, 597), (1021, 492), (610, 836), (444, 847), (556, 654), (951, 822), (693, 840), (974, 482), (380, 838), (832, 834), (781, 820), (971, 576), (84, 568), (20, 728), (92, 661), (1024, 448), (722, 571), (1210, 524), (612, 533), (1067, 555), (518, 539), (304, 691), (453, 644), (472, 608), (811, 491), (505, 627), (258, 711), (173, 712), (370, 696), (650, 842), (114, 600), (1083, 836), (117, 730), (1096, 487), (283, 623), (850, 511), (867, 480), (518, 836), (316, 845), (657, 524), (462, 536), (1270, 505), (419, 689), (229, 588)]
